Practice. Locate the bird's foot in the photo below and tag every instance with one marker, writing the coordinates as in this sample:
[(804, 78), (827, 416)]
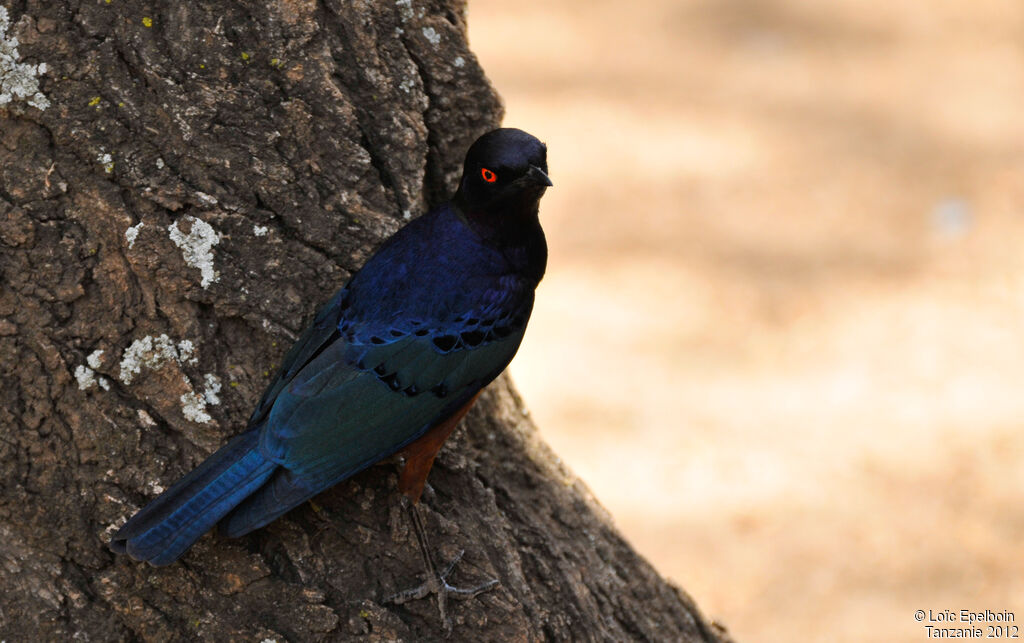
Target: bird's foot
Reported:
[(438, 584)]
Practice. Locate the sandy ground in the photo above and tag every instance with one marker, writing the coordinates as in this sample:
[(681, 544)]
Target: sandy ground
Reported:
[(782, 332)]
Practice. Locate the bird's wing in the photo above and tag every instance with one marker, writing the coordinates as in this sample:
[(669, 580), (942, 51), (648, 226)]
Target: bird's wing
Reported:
[(316, 337), (356, 402)]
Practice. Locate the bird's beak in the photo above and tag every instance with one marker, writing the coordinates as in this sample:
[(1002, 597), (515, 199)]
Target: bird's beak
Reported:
[(538, 176)]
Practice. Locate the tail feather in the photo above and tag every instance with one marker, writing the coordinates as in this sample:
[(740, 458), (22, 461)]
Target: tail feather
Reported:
[(277, 497), (162, 531)]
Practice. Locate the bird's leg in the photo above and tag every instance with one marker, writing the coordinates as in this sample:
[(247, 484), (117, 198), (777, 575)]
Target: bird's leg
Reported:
[(437, 581), (419, 457)]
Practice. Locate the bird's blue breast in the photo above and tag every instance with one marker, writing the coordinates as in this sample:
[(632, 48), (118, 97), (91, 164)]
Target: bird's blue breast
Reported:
[(434, 275)]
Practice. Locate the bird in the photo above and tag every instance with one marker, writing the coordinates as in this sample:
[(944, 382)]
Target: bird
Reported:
[(389, 365)]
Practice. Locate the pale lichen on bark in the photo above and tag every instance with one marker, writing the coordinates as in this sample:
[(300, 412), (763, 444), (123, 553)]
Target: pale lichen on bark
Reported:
[(153, 352), (18, 81), (197, 246)]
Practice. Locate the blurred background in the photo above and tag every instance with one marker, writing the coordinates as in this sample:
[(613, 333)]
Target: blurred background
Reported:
[(782, 332)]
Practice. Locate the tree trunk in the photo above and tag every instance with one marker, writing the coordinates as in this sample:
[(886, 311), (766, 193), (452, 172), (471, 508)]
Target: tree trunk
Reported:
[(181, 184)]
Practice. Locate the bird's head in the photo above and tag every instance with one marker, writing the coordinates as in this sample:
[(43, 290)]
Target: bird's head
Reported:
[(506, 172)]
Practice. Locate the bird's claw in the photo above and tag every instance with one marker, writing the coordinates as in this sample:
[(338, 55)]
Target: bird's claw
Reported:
[(438, 584)]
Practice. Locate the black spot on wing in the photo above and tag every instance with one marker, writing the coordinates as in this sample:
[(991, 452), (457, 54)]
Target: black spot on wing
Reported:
[(392, 381), (501, 332), (446, 343)]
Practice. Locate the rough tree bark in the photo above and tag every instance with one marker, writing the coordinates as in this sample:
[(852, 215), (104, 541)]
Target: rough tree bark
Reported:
[(181, 184)]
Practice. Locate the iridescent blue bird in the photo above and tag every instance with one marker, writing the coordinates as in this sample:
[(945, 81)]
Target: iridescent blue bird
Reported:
[(391, 363)]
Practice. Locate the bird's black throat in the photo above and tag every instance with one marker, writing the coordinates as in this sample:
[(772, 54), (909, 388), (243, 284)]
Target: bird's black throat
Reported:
[(512, 227)]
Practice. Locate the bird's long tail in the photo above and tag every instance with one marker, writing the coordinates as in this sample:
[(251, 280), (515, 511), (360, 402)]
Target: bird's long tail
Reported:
[(166, 527)]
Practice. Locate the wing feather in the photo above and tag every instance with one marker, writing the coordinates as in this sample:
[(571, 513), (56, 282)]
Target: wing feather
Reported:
[(319, 334), (335, 418)]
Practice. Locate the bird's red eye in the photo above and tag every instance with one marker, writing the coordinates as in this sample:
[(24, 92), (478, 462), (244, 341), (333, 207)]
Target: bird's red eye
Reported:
[(489, 176)]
